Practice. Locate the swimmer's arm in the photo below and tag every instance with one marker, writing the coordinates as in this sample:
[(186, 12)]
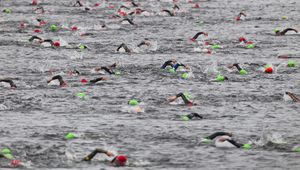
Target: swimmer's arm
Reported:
[(94, 153), (238, 145)]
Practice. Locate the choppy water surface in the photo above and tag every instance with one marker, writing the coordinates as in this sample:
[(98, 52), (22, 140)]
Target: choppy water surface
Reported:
[(36, 117)]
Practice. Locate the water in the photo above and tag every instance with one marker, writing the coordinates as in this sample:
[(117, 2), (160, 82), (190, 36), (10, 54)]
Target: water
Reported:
[(35, 117)]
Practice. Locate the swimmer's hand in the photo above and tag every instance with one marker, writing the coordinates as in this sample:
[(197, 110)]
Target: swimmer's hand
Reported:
[(109, 154)]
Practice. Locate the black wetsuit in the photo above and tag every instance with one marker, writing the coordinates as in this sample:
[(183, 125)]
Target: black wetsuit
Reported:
[(11, 83), (186, 101), (177, 65), (167, 63), (93, 154), (192, 115), (96, 80)]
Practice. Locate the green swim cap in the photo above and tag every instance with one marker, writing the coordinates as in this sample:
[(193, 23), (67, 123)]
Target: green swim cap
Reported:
[(243, 72), (276, 30), (8, 156), (250, 46), (297, 149), (247, 146), (220, 78), (81, 95), (6, 151), (185, 118), (172, 70), (291, 63), (117, 73), (284, 17), (81, 47), (215, 46), (53, 28), (133, 102), (205, 140), (8, 11), (185, 75), (70, 136)]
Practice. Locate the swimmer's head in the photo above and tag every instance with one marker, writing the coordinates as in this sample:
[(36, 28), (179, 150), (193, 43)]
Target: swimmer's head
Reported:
[(119, 160), (277, 30)]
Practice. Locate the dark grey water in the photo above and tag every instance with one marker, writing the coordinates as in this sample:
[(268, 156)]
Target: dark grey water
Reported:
[(35, 117)]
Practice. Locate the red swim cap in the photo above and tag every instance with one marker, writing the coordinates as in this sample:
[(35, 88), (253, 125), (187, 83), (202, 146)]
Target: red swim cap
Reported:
[(122, 159), (56, 44), (269, 70), (97, 4), (196, 5), (74, 28), (15, 163), (83, 81), (34, 2), (37, 31), (242, 39)]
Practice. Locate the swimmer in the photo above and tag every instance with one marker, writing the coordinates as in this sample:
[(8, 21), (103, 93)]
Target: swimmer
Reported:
[(193, 115), (45, 43), (108, 69), (184, 98), (197, 35), (130, 21), (224, 140), (145, 42), (11, 83), (62, 83), (280, 33), (119, 160), (169, 12), (239, 17), (79, 3), (293, 97), (168, 63), (13, 162), (123, 48)]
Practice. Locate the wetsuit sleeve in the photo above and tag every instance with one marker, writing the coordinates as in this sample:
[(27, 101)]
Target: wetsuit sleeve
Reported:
[(1, 155), (238, 145), (93, 154), (186, 101)]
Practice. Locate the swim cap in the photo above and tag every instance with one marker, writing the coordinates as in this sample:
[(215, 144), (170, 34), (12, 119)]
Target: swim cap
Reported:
[(74, 28), (242, 39), (205, 140), (185, 118), (117, 73), (81, 46), (269, 70), (70, 136), (81, 95), (121, 159), (34, 2), (172, 70), (284, 17), (220, 78), (37, 30), (215, 46), (8, 11), (6, 151), (297, 149), (56, 44), (247, 146), (185, 75), (276, 30), (15, 163), (53, 28), (187, 95), (291, 63), (249, 46), (243, 72), (133, 102), (8, 156), (83, 81)]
